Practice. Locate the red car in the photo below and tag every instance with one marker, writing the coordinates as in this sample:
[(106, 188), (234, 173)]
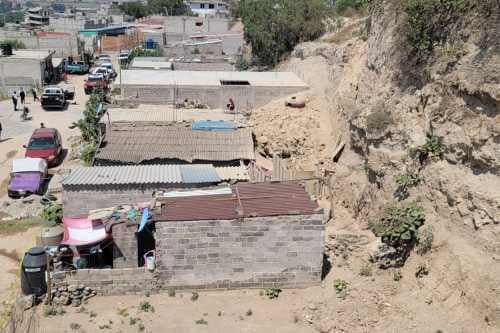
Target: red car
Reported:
[(95, 81), (45, 143)]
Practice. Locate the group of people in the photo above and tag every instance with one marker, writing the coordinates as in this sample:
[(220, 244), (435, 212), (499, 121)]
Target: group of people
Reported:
[(22, 96)]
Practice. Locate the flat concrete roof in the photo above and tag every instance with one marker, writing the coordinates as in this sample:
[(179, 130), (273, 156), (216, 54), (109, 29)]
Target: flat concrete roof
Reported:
[(27, 54), (198, 78), (147, 64)]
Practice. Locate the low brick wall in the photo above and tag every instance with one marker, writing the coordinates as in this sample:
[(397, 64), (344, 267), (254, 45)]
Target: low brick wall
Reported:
[(259, 252)]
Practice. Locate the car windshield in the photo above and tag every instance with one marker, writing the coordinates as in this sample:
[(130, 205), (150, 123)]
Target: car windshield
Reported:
[(41, 143), (94, 78), (52, 91)]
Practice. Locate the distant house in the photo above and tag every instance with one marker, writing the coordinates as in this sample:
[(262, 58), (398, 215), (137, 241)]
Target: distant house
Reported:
[(25, 68), (38, 16), (208, 7)]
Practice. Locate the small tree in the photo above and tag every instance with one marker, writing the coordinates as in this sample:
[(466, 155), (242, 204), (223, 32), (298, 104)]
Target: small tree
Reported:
[(89, 124)]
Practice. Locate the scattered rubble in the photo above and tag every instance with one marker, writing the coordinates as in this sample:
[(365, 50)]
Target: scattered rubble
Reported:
[(73, 295)]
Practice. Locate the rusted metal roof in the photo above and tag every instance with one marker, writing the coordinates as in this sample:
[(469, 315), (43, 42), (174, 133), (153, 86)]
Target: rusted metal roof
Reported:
[(137, 143), (247, 200)]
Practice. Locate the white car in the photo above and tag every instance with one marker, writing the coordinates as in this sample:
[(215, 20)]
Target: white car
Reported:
[(103, 71), (124, 55), (104, 57)]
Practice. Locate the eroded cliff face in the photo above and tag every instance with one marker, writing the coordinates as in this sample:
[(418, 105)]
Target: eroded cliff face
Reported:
[(384, 101)]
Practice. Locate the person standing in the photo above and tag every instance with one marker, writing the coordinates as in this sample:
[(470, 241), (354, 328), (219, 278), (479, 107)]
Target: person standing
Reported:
[(35, 97), (14, 100), (22, 94), (0, 132)]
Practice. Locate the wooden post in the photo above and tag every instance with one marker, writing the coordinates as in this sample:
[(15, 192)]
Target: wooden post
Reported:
[(48, 300)]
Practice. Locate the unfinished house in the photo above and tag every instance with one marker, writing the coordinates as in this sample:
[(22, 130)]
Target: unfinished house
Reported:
[(26, 68), (248, 90), (87, 189), (244, 236), (167, 143)]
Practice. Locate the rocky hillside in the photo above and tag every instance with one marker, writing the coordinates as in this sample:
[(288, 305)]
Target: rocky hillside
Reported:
[(414, 92)]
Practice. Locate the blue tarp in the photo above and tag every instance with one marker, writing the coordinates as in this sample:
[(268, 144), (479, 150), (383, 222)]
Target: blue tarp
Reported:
[(213, 125), (144, 219)]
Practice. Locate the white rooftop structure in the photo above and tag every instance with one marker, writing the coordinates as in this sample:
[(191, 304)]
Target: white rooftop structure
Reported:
[(28, 54), (193, 78), (29, 165), (148, 64)]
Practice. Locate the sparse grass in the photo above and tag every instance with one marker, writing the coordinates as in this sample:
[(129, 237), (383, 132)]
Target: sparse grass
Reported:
[(105, 327), (340, 287), (425, 238), (365, 270), (219, 314), (194, 296), (249, 312), (451, 50), (81, 309), (51, 311), (75, 326), (146, 307), (122, 312), (116, 91), (132, 321), (396, 276), (272, 293), (92, 314), (343, 35), (405, 181), (141, 327), (422, 270), (171, 292), (378, 121), (201, 322), (16, 226)]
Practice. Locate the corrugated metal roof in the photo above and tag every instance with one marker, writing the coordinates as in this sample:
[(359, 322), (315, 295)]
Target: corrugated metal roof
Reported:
[(199, 173), (247, 200), (233, 173), (213, 125), (142, 174), (136, 143), (270, 199)]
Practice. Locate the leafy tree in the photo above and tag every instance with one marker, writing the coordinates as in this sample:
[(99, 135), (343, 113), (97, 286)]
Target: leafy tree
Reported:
[(274, 27), (15, 44), (89, 124), (135, 9), (168, 7)]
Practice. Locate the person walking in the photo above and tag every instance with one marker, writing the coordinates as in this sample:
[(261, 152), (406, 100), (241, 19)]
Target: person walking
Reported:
[(22, 94), (0, 132), (35, 97), (14, 100)]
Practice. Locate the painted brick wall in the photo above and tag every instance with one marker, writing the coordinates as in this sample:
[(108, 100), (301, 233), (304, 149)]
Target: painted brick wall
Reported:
[(260, 251)]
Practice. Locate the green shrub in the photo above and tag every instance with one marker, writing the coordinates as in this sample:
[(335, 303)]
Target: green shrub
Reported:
[(201, 322), (87, 154), (249, 312), (75, 326), (425, 238), (242, 64), (365, 270), (272, 293), (194, 296), (405, 181), (340, 288), (52, 212), (378, 121), (342, 5), (396, 276), (422, 270), (146, 307), (428, 21), (433, 147), (171, 292), (398, 226)]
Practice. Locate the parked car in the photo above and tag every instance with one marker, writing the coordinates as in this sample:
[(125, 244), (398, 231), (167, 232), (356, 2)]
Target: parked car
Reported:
[(77, 68), (124, 55), (111, 70), (45, 143), (104, 57), (95, 81), (27, 177), (53, 97), (103, 71), (69, 91)]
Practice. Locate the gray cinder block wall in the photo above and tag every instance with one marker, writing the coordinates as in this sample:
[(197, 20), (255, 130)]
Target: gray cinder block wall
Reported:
[(125, 245), (79, 203), (259, 252), (245, 97)]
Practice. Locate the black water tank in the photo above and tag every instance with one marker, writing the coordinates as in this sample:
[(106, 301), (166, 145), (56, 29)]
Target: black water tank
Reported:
[(33, 272)]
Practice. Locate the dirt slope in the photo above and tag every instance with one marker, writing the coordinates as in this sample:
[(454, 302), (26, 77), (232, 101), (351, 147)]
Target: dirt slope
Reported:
[(382, 101)]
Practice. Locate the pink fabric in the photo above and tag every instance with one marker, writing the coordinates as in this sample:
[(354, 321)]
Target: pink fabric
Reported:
[(83, 231)]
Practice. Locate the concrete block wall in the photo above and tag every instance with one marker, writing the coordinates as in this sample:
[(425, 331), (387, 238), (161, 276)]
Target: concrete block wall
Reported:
[(259, 252), (78, 203), (245, 98), (253, 252), (125, 249)]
